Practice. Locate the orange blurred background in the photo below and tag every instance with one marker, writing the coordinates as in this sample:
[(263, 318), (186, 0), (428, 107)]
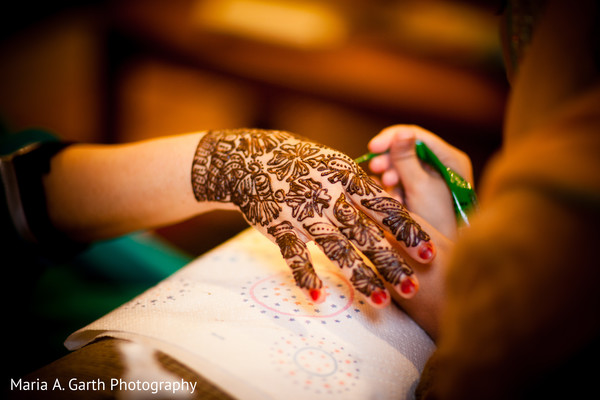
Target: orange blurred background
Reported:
[(336, 71)]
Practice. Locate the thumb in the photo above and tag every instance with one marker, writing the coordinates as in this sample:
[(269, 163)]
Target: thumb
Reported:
[(404, 160)]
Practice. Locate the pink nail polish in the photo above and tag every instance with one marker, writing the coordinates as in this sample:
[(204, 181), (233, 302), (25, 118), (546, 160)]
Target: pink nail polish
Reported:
[(379, 296), (426, 251)]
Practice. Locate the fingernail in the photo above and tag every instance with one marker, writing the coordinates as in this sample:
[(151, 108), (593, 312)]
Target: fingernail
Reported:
[(379, 296), (315, 294), (426, 251), (408, 286)]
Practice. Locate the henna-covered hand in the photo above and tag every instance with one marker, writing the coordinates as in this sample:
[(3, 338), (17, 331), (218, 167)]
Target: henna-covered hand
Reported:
[(294, 190)]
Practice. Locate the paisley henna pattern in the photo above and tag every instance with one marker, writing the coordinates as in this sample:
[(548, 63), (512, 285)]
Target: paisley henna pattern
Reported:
[(273, 178), (287, 240), (389, 264), (220, 173), (366, 281), (295, 253), (355, 224), (368, 236), (337, 247), (398, 220)]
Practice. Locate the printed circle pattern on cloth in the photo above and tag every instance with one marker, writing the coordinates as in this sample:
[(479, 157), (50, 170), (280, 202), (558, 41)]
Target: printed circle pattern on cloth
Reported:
[(315, 364), (279, 297)]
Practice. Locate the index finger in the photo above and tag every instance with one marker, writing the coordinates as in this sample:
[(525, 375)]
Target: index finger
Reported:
[(448, 154), (370, 198), (399, 222)]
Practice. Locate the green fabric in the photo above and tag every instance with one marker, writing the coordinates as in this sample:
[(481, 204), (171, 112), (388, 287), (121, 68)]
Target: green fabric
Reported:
[(11, 142), (140, 257), (69, 296)]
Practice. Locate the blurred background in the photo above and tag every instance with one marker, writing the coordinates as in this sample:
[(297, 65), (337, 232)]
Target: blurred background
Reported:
[(336, 71)]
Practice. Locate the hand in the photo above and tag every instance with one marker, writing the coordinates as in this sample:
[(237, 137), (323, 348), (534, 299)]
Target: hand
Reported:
[(425, 193), (421, 189), (295, 191)]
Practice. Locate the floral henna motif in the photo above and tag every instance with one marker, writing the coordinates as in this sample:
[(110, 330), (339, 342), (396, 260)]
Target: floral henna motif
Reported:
[(295, 253), (339, 168), (307, 197), (221, 173), (398, 220), (228, 167), (389, 264), (268, 173), (335, 245), (367, 234), (256, 142), (355, 224), (292, 161), (256, 199), (366, 281)]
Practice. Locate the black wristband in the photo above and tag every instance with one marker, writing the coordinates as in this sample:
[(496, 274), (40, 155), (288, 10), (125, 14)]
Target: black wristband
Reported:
[(30, 165)]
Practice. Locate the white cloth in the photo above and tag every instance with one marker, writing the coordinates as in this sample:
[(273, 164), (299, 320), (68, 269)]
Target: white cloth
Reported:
[(235, 316)]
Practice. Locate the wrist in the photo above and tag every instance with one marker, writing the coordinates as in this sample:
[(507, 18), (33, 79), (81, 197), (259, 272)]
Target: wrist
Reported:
[(22, 177)]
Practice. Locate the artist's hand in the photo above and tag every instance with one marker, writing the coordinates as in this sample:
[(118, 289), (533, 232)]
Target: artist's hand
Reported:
[(420, 188), (294, 191), (424, 192)]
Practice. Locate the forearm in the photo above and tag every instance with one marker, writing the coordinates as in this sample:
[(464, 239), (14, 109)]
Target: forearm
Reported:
[(290, 189), (101, 191)]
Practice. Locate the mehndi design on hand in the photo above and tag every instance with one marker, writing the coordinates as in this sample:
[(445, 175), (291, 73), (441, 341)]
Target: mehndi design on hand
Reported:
[(398, 220), (338, 248), (307, 197), (295, 253), (342, 169), (401, 224), (294, 190)]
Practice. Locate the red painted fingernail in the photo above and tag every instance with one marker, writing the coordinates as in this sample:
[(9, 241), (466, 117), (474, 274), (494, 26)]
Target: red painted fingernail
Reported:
[(378, 296), (408, 286), (426, 250), (314, 294)]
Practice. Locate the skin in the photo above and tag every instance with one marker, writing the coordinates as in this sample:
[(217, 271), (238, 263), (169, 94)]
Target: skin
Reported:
[(290, 189), (421, 189), (424, 192), (541, 341), (280, 181), (542, 80)]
